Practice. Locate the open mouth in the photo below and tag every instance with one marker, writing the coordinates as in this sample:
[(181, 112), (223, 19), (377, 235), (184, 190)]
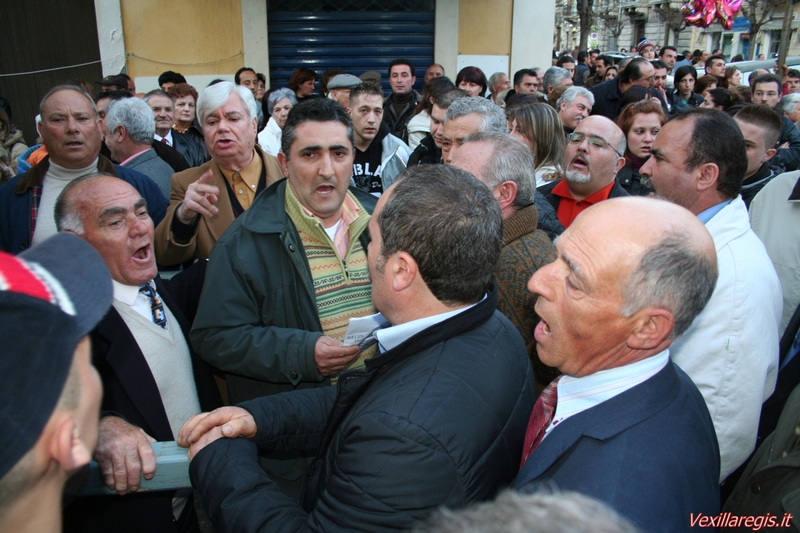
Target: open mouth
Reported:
[(142, 254), (579, 162), (326, 190)]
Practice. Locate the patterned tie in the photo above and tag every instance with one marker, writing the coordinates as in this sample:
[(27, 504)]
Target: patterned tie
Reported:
[(541, 416), (159, 317)]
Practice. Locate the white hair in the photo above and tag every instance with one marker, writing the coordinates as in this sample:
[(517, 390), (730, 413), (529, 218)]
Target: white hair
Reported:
[(215, 96)]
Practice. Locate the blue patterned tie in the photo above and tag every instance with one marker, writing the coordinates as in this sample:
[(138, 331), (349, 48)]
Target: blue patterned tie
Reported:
[(156, 306)]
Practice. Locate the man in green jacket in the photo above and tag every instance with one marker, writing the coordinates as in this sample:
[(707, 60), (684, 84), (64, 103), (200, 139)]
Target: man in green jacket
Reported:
[(286, 277)]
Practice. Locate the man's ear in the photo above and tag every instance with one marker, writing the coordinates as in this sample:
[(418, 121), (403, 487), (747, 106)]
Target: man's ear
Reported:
[(769, 155), (708, 175), (506, 193), (403, 269), (619, 164), (66, 444), (651, 328), (283, 161)]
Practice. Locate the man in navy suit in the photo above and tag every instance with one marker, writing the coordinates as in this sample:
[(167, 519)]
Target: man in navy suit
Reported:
[(624, 424)]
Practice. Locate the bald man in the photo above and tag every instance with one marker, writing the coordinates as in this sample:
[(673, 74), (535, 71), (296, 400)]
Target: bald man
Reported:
[(611, 305), (593, 157)]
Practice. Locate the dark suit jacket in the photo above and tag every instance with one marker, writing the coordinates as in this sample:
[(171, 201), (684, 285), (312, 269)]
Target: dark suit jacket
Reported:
[(788, 379), (547, 192), (130, 391), (193, 151), (650, 453)]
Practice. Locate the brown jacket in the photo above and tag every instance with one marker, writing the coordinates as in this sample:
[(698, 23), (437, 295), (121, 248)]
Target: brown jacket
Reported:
[(208, 230)]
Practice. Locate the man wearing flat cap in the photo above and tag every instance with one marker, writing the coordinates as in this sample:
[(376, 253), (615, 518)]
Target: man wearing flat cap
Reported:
[(339, 88), (49, 391)]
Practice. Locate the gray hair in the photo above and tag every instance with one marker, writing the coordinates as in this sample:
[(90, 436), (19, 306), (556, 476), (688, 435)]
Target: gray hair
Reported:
[(494, 78), (67, 217), (493, 117), (672, 275), (279, 94), (788, 103), (451, 224), (572, 93), (510, 161), (66, 87), (215, 96), (135, 115), (553, 77), (542, 512), (158, 92)]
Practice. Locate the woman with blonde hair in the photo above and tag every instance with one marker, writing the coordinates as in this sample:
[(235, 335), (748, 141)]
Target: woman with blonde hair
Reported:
[(538, 126)]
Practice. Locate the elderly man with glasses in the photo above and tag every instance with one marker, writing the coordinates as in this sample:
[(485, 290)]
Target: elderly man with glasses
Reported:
[(592, 159)]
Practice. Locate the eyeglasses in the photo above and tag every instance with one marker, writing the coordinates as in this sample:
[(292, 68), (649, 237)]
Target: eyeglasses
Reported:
[(593, 140)]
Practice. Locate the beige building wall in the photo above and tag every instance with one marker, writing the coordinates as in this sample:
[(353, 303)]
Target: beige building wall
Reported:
[(484, 27), (196, 37)]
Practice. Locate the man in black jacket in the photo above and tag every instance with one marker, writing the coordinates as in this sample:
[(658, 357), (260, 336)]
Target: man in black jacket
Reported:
[(398, 107), (429, 151), (436, 418), (163, 107), (608, 95)]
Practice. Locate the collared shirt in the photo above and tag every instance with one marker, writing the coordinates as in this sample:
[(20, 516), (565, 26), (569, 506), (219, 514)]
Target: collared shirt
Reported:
[(134, 155), (245, 182), (569, 208), (130, 296), (168, 137), (339, 232), (709, 213), (576, 395), (393, 336)]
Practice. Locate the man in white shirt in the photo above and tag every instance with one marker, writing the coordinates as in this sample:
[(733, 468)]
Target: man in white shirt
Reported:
[(623, 423)]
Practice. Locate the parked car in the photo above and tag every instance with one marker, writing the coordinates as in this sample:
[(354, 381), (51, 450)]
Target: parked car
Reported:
[(747, 67)]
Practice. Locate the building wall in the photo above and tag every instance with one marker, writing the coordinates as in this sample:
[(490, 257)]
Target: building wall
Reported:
[(484, 27), (195, 36)]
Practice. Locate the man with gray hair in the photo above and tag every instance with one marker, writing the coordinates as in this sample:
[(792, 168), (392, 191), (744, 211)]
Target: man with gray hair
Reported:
[(429, 150), (339, 88), (206, 199), (592, 159), (573, 106), (555, 77), (128, 130), (505, 165), (610, 426), (498, 82), (163, 106), (469, 115), (790, 107)]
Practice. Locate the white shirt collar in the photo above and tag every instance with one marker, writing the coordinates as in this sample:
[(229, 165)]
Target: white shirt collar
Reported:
[(393, 336), (576, 395), (126, 293), (168, 137)]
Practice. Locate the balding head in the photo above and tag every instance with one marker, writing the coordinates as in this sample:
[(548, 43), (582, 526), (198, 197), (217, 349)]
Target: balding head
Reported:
[(644, 283), (593, 156)]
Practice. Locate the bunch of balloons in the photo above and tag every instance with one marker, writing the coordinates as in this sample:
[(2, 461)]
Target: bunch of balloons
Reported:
[(703, 12)]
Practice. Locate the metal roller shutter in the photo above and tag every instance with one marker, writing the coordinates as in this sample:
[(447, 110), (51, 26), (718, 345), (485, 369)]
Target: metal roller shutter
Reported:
[(355, 41)]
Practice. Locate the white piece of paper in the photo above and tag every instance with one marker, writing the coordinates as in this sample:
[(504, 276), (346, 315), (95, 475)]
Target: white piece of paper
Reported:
[(361, 330)]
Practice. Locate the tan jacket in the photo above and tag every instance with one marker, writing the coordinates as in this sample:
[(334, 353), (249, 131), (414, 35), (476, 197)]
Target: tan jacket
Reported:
[(208, 230)]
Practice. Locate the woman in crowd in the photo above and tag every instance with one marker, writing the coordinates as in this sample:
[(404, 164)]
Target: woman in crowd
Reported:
[(12, 145), (279, 102), (472, 80), (683, 96), (705, 84), (611, 72), (538, 127), (640, 122), (185, 97), (733, 76), (721, 99), (261, 86), (302, 83), (420, 125)]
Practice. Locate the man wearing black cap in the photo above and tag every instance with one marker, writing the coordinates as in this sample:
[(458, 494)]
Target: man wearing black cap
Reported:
[(49, 391), (153, 381), (114, 83)]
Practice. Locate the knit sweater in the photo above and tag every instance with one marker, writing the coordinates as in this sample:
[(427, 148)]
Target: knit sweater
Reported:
[(525, 250), (342, 285)]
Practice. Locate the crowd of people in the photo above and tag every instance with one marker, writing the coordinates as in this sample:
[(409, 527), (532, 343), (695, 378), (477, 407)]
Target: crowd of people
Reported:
[(368, 312)]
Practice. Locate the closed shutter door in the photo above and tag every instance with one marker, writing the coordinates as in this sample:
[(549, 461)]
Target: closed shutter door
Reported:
[(354, 41)]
